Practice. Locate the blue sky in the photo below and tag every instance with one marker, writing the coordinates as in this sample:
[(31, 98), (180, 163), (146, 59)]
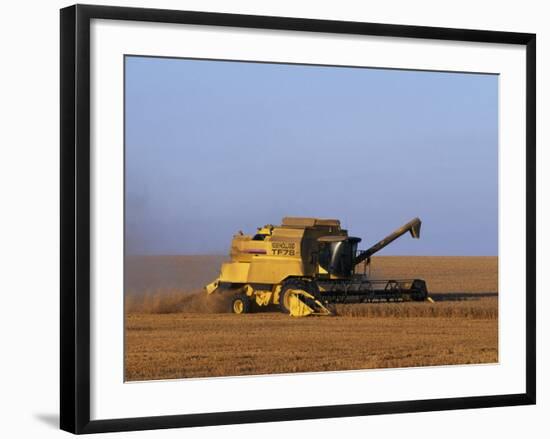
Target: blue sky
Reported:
[(214, 147)]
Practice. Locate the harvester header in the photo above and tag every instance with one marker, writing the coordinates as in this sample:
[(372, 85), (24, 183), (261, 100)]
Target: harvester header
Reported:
[(304, 265)]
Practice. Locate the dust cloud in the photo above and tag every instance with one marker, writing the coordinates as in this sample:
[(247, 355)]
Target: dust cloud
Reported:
[(164, 301)]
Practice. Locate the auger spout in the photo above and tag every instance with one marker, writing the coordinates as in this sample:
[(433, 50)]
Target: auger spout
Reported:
[(412, 226)]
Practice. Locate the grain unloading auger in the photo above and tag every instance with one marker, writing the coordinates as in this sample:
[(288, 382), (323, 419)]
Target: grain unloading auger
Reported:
[(306, 264)]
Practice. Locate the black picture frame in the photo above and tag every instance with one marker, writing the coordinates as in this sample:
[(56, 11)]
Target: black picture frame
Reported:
[(75, 217)]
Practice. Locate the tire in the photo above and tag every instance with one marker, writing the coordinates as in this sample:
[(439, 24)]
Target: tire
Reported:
[(294, 284), (240, 304)]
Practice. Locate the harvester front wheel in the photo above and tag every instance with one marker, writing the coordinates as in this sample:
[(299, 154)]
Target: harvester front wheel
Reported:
[(240, 304)]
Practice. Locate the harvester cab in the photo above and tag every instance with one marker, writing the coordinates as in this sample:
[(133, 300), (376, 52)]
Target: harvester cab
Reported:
[(304, 265), (336, 256)]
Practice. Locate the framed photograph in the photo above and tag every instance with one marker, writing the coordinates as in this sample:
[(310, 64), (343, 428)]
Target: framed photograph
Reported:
[(275, 218)]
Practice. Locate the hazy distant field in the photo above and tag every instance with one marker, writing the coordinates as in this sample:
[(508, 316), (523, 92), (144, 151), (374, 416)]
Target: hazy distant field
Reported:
[(174, 331)]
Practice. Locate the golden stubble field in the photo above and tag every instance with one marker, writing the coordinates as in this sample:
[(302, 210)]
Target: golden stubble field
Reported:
[(177, 332)]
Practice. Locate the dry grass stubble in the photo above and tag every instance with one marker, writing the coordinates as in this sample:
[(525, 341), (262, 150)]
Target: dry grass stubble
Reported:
[(164, 346)]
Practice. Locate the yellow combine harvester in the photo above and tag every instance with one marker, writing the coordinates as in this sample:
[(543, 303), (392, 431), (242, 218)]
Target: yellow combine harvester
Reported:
[(306, 264)]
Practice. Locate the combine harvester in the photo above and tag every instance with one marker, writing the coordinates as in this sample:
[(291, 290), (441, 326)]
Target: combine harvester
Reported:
[(306, 264)]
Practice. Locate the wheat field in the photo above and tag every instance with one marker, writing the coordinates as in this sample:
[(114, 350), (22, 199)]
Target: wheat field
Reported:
[(174, 330)]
